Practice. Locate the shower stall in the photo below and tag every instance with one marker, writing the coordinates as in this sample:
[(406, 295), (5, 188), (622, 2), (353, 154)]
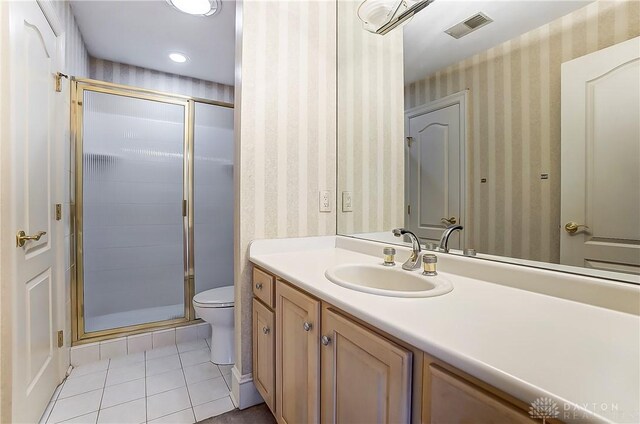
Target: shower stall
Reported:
[(153, 207)]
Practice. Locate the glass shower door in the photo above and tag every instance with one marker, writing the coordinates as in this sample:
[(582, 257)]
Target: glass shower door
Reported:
[(132, 236)]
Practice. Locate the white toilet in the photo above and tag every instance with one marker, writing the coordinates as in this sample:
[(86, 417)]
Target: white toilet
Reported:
[(215, 306)]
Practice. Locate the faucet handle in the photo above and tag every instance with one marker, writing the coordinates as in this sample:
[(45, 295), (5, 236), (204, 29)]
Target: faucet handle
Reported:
[(389, 253), (429, 264)]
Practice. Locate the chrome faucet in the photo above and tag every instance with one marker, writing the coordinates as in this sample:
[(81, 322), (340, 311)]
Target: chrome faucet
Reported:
[(444, 240), (414, 260)]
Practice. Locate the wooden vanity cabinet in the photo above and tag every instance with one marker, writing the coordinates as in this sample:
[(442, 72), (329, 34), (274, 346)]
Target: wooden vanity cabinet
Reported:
[(297, 356), (313, 362), (365, 378), (264, 352)]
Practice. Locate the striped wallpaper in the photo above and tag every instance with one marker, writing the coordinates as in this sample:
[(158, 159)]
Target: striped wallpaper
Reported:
[(370, 125), (120, 73), (286, 134), (76, 56), (514, 126)]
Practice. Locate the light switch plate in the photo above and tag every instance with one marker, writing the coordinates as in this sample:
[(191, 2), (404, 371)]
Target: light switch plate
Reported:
[(325, 201), (347, 201)]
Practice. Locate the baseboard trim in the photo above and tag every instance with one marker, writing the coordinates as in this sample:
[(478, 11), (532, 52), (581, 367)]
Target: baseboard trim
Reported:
[(243, 392)]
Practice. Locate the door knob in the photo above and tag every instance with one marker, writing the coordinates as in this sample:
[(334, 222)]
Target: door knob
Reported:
[(449, 221), (573, 227), (259, 286), (22, 237), (325, 340), (266, 330), (307, 326)]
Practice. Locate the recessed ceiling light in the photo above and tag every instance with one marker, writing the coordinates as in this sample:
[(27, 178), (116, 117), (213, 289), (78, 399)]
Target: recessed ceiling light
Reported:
[(178, 57), (196, 7)]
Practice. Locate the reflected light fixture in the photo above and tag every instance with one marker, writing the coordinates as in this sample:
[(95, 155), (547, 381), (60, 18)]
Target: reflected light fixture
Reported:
[(381, 16), (178, 57), (196, 7)]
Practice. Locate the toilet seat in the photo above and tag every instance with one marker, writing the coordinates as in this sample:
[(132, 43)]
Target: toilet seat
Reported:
[(221, 297)]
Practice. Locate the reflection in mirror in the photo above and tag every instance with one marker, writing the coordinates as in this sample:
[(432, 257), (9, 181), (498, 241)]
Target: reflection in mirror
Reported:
[(517, 120)]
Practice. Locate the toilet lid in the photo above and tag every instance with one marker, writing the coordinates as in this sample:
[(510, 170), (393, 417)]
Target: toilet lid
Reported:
[(222, 297)]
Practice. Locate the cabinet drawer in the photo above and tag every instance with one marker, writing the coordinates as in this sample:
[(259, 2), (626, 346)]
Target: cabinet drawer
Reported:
[(264, 361), (263, 287), (453, 400)]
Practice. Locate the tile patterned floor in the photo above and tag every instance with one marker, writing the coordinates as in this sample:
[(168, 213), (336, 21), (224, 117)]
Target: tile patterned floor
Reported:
[(174, 384)]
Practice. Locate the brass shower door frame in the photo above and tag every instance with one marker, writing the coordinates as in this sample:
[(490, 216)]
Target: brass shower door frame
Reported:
[(78, 88)]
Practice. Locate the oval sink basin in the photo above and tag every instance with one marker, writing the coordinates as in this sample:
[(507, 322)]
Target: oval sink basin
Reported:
[(395, 282)]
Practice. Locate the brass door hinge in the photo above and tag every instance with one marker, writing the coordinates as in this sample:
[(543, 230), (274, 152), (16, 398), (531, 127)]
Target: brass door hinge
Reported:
[(59, 76), (409, 141), (408, 209), (58, 211), (60, 338), (184, 208)]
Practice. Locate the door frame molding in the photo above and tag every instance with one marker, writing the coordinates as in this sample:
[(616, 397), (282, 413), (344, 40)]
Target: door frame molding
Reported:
[(460, 98)]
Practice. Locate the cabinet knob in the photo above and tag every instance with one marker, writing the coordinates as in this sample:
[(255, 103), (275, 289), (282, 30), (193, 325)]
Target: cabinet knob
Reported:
[(259, 286), (307, 326), (266, 330), (325, 340)]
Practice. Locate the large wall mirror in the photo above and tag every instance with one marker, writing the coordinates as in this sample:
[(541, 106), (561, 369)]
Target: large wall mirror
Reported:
[(516, 120)]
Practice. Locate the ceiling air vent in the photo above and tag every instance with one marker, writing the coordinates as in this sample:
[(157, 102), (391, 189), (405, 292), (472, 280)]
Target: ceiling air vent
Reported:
[(469, 25)]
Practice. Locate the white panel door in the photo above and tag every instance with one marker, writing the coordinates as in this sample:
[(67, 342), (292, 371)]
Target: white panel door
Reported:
[(601, 159), (33, 190), (435, 170)]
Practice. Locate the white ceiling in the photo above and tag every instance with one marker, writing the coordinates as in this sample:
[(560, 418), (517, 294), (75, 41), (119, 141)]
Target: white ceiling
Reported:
[(143, 33), (428, 49)]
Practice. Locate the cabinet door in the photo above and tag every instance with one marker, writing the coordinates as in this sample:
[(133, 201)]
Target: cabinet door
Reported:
[(452, 400), (297, 356), (365, 377), (264, 363)]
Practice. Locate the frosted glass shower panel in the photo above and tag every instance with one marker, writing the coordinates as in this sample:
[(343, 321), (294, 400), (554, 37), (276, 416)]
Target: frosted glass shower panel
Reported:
[(213, 196), (132, 219)]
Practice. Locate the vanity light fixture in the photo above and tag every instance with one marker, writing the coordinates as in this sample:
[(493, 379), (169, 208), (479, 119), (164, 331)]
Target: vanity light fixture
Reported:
[(381, 16), (178, 57), (196, 7)]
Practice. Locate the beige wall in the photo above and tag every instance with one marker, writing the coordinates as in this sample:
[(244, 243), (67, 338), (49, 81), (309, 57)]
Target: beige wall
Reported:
[(285, 145), (120, 73), (514, 126), (370, 125)]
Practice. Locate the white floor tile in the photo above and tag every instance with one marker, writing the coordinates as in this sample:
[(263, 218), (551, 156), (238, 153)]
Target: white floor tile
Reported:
[(83, 419), (208, 390), (122, 393), (213, 409), (192, 345), (161, 351), (165, 381), (139, 343), (186, 334), (89, 368), (225, 369), (75, 406), (227, 379), (133, 412), (194, 357), (124, 374), (123, 361), (85, 354), (201, 372), (113, 348), (162, 365), (164, 338), (167, 403), (83, 384), (185, 416), (204, 330)]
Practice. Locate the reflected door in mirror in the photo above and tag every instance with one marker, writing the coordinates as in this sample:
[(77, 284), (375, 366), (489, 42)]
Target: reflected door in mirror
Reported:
[(601, 159), (435, 170)]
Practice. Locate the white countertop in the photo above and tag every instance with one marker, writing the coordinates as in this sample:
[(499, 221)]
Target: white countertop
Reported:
[(586, 358)]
